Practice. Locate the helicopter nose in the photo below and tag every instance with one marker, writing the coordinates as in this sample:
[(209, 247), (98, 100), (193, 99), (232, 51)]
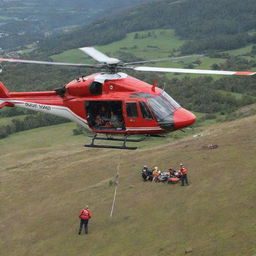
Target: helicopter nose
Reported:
[(183, 118)]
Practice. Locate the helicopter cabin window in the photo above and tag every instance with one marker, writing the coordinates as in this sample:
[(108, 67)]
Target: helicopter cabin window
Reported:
[(105, 115), (145, 111), (131, 109)]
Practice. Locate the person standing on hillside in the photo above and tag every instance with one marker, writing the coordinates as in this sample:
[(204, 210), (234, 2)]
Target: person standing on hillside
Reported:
[(85, 215), (184, 175)]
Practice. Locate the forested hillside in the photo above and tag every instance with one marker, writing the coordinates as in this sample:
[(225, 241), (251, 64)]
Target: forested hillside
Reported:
[(220, 24), (25, 22)]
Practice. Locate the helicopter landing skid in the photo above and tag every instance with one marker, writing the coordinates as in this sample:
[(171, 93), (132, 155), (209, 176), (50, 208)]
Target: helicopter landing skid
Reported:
[(109, 138)]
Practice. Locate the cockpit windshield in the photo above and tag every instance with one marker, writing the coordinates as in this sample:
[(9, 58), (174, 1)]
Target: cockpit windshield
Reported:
[(172, 102), (163, 107), (160, 108)]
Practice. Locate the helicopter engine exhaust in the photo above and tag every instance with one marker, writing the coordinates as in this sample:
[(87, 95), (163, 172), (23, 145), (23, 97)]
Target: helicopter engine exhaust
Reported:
[(83, 88)]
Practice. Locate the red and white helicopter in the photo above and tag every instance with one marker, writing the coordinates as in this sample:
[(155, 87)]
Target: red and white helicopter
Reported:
[(111, 102)]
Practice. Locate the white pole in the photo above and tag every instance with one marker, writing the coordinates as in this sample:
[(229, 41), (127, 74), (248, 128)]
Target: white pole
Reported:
[(116, 184)]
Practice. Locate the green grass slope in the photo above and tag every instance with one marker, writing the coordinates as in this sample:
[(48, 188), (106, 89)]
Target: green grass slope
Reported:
[(155, 44), (146, 45), (47, 177)]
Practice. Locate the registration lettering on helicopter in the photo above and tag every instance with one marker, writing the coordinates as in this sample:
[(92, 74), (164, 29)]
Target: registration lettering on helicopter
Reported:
[(37, 106)]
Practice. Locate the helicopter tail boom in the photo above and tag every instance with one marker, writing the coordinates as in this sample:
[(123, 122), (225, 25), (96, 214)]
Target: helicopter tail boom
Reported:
[(12, 99)]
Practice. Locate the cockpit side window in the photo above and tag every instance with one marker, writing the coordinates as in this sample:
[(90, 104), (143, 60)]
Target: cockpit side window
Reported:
[(145, 111), (131, 109)]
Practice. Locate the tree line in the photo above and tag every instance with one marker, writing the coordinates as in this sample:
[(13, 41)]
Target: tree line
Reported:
[(218, 42), (30, 122), (203, 20)]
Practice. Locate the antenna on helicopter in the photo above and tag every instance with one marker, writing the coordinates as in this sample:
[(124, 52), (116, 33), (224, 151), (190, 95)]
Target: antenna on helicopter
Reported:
[(164, 86)]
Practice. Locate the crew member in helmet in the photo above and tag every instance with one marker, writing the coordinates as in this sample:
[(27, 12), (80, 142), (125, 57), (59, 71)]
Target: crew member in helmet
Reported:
[(146, 173), (156, 173), (184, 175), (85, 215)]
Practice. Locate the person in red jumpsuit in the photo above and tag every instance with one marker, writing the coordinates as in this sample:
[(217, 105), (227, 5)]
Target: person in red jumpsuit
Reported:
[(184, 175), (85, 215)]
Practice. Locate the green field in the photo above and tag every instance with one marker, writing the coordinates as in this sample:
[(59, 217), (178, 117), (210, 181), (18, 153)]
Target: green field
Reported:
[(73, 55), (47, 176), (150, 44)]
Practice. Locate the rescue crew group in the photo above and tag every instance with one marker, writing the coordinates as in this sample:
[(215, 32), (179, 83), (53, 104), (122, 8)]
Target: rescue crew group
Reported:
[(155, 175), (170, 176)]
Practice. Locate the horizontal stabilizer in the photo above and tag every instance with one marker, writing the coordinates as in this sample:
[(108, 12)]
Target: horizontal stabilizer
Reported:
[(6, 104), (4, 92)]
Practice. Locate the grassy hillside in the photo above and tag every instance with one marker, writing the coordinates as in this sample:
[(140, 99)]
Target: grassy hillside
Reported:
[(146, 45), (143, 44), (47, 177), (153, 44)]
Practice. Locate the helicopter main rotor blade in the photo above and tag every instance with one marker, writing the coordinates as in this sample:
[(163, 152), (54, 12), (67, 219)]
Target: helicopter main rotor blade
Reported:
[(193, 71), (163, 59), (49, 63), (99, 56)]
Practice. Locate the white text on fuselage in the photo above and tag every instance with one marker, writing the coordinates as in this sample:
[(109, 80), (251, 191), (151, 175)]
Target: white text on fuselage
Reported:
[(37, 106)]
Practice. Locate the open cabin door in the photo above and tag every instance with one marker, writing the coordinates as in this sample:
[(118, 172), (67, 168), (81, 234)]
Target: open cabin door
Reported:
[(118, 117), (104, 115)]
